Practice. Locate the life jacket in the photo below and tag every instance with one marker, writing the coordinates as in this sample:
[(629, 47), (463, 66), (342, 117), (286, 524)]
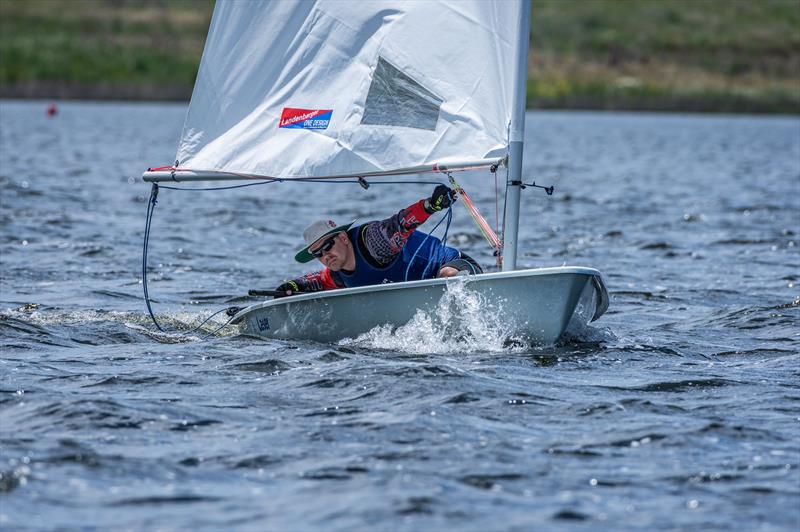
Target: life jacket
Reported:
[(420, 258)]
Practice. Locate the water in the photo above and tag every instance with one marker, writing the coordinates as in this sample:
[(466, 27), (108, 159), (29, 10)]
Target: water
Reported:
[(680, 408)]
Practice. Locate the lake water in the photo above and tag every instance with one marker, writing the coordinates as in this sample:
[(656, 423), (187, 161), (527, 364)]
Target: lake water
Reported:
[(678, 409)]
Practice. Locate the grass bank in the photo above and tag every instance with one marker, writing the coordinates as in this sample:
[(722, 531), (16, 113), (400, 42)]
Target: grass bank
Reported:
[(692, 55), (101, 49), (697, 55)]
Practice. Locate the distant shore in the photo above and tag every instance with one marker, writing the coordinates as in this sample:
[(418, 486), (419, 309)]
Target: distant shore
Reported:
[(72, 90), (181, 92), (728, 56)]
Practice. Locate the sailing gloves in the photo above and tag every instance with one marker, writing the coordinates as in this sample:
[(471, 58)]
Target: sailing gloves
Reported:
[(441, 198), (288, 288)]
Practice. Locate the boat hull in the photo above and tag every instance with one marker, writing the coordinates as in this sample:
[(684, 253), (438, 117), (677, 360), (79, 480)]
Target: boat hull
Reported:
[(532, 305)]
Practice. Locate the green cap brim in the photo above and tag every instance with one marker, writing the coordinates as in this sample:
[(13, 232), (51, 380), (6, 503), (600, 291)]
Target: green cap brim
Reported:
[(304, 255)]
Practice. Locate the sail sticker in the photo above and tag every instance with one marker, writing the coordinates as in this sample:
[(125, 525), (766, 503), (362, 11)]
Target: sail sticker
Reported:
[(305, 118)]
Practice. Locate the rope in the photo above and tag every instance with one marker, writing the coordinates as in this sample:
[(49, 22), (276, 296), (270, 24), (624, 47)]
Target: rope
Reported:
[(215, 331), (151, 204), (207, 319), (335, 182), (448, 216), (480, 221)]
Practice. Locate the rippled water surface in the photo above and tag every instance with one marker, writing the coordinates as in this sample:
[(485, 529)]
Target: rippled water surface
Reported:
[(680, 408)]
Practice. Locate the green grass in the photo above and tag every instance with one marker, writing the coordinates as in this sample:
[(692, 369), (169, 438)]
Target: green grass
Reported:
[(709, 55), (100, 41), (723, 35), (722, 55)]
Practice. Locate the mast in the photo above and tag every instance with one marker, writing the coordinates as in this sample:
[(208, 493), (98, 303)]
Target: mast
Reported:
[(516, 139)]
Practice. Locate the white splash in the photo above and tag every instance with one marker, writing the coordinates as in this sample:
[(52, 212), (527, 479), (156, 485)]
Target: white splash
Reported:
[(463, 321), (177, 323)]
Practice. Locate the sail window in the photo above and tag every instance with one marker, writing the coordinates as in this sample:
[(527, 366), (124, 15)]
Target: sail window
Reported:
[(394, 99)]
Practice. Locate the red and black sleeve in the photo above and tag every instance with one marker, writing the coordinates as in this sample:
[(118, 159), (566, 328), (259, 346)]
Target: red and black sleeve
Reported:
[(384, 239), (318, 281)]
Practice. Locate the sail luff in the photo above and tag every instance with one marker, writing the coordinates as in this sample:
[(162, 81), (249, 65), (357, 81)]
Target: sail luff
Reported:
[(516, 138)]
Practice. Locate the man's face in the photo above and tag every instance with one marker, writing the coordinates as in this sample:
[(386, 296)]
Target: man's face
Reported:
[(334, 250)]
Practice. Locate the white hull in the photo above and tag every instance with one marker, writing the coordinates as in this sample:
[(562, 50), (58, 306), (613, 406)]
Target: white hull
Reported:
[(534, 305)]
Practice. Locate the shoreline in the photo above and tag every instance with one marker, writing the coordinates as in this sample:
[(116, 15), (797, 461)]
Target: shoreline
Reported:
[(709, 56), (181, 92)]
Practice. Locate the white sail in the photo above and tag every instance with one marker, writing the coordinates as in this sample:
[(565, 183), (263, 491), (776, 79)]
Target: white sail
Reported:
[(317, 88)]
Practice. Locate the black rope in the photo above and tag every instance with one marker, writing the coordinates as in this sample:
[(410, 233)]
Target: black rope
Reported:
[(359, 181), (219, 188), (408, 183), (151, 204), (206, 320), (215, 331)]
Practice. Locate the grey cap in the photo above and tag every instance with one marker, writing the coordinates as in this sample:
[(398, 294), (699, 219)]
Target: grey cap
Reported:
[(316, 232)]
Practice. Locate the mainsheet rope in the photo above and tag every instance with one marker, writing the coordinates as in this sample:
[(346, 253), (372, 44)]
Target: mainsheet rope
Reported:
[(151, 204)]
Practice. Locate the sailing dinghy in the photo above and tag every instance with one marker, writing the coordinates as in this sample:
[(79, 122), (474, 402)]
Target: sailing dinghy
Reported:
[(351, 90)]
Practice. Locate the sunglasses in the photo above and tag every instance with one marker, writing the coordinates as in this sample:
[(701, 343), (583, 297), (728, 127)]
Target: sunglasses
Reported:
[(324, 248)]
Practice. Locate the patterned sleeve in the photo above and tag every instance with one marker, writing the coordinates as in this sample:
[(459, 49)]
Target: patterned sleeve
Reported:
[(384, 239), (318, 281)]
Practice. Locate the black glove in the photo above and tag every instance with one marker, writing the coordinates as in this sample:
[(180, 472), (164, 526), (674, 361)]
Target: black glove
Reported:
[(288, 288), (441, 198)]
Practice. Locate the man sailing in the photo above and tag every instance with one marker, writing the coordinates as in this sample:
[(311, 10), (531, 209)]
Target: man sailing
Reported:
[(384, 251)]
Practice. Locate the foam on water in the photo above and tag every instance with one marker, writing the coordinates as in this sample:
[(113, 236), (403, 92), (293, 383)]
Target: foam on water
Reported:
[(180, 326), (463, 321)]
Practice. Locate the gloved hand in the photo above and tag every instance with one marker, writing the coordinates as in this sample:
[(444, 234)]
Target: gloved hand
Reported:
[(441, 198), (288, 288)]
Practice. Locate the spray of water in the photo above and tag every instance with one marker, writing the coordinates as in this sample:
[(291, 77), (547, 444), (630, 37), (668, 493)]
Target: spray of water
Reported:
[(179, 323), (463, 321)]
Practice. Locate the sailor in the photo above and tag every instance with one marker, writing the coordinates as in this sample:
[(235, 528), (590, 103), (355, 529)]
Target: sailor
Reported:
[(385, 251)]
